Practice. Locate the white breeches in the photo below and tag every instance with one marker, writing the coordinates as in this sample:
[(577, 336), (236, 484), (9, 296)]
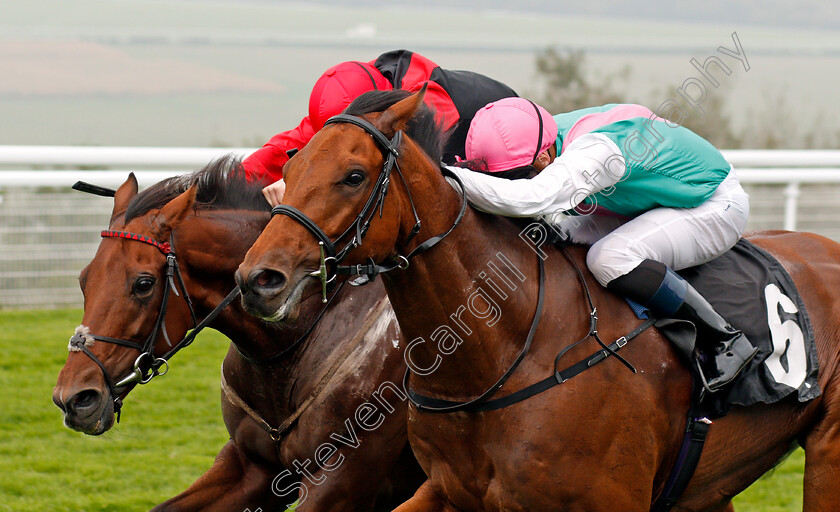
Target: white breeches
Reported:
[(677, 237)]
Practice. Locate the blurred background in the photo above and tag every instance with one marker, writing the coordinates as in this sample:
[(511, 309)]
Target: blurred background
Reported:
[(230, 74), (233, 73)]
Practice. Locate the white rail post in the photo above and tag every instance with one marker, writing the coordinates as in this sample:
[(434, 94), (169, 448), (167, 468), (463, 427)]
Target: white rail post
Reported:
[(791, 204)]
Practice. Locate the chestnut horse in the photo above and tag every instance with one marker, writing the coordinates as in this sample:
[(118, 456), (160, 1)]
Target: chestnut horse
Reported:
[(346, 357), (604, 440)]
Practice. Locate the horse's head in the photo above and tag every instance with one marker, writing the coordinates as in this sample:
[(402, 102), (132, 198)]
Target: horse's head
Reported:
[(351, 189), (127, 297)]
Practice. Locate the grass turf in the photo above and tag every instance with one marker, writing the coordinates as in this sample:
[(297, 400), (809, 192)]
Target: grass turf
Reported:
[(170, 432)]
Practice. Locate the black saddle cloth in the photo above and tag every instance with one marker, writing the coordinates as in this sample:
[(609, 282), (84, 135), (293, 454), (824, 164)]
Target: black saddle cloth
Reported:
[(755, 294)]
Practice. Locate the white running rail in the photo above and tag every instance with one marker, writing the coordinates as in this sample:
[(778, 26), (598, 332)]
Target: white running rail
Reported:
[(48, 233)]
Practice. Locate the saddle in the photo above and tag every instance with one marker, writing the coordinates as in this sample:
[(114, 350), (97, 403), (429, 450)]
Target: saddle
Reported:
[(754, 293)]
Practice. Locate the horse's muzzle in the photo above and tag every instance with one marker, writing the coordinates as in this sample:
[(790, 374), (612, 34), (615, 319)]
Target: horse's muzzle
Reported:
[(264, 282), (266, 294), (87, 411)]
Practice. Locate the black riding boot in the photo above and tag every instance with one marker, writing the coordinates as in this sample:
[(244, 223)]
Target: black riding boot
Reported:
[(668, 295), (729, 349)]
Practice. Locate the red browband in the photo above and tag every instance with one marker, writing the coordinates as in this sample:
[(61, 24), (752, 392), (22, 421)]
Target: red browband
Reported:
[(164, 247)]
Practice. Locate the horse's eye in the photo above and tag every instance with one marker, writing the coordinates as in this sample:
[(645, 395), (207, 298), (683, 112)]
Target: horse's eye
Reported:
[(144, 284), (354, 179)]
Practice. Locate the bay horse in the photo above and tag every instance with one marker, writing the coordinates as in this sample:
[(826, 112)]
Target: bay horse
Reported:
[(465, 290), (309, 380)]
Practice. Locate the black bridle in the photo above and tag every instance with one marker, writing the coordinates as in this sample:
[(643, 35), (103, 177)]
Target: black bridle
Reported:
[(147, 365), (329, 254), (332, 256)]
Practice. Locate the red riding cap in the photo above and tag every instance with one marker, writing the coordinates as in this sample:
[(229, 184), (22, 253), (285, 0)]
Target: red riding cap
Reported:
[(339, 86)]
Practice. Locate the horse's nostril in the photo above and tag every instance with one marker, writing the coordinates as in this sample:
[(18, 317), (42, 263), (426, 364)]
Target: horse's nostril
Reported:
[(82, 401), (240, 282), (57, 401), (268, 280)]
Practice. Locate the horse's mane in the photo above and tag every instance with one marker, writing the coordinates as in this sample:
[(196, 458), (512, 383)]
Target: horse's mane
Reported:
[(221, 185), (423, 128)]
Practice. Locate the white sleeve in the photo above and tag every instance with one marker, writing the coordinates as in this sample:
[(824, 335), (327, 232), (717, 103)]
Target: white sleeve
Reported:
[(591, 163)]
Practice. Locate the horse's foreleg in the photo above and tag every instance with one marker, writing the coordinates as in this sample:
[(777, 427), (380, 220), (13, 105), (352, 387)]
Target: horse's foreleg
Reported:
[(425, 500), (822, 466), (233, 483), (364, 480)]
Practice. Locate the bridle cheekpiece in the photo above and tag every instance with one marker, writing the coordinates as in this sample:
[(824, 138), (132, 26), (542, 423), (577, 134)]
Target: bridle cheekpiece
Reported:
[(330, 256)]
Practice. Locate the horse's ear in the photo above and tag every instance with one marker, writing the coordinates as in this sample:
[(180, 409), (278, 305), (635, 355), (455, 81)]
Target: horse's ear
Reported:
[(396, 118), (174, 211), (124, 195)]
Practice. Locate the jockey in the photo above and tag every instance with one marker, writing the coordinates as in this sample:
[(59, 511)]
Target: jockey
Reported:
[(455, 96), (651, 197)]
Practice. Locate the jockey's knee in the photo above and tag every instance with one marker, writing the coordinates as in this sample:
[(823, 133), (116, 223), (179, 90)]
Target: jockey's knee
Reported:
[(609, 259)]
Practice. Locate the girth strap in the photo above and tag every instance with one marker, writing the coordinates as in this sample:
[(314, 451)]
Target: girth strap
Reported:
[(694, 438)]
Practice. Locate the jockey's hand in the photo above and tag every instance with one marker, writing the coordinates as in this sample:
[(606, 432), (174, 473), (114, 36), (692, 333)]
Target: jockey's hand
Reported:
[(274, 192)]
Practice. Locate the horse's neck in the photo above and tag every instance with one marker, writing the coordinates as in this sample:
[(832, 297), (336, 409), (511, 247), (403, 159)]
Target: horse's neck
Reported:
[(279, 388), (211, 246), (214, 252), (478, 286)]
